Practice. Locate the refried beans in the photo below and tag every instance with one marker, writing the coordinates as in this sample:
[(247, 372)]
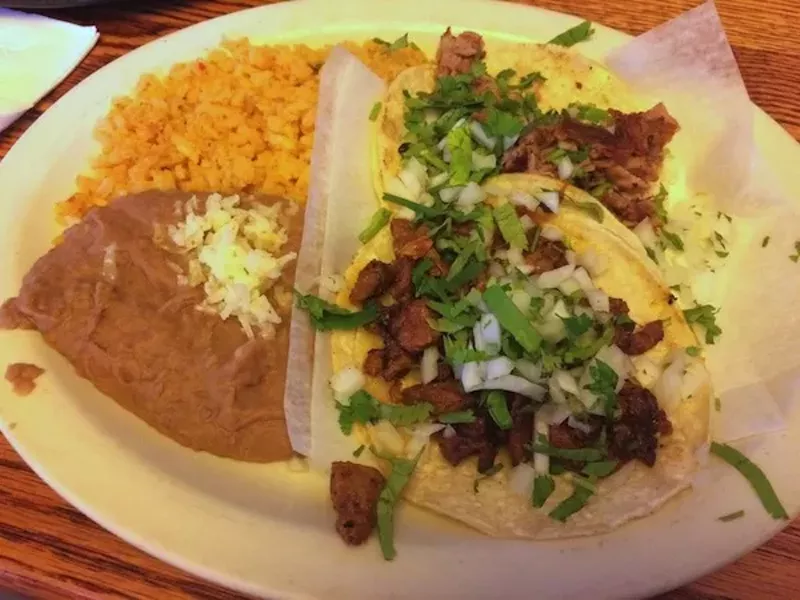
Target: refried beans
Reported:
[(139, 338)]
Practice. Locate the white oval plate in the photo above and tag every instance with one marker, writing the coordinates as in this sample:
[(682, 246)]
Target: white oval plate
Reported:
[(261, 529)]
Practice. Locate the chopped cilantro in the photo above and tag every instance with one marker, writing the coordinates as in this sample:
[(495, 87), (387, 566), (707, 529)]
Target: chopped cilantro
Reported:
[(401, 472), (674, 240), (659, 200), (500, 123), (754, 475), (376, 223), (591, 113), (720, 239), (705, 316), (365, 408), (717, 404), (731, 516), (693, 351), (543, 486), (376, 110), (461, 416), (577, 326), (358, 451), (721, 254), (418, 273), (326, 316), (764, 242), (498, 409), (510, 226), (511, 318), (490, 472), (574, 35), (604, 385), (459, 143), (568, 507), (600, 469), (601, 189), (796, 256), (542, 446), (651, 253)]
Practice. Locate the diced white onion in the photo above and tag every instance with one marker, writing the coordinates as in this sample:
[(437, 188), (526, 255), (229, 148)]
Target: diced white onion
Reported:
[(565, 168), (520, 480), (386, 438), (420, 435), (480, 136), (646, 233), (576, 423), (569, 286), (668, 387), (552, 279), (551, 233), (396, 187), (598, 300), (471, 376), (419, 170), (471, 195), (426, 199), (566, 382), (521, 300), (556, 393), (446, 155), (550, 199), (488, 328), (584, 280), (647, 371), (592, 262), (571, 257), (483, 161), (529, 370), (512, 383), (346, 382), (448, 432), (524, 199), (429, 366), (449, 194), (498, 367), (541, 462), (514, 256), (552, 414), (696, 377), (442, 143), (496, 269), (526, 222), (439, 179)]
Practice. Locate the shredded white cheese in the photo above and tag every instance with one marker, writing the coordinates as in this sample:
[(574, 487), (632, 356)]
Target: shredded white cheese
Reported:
[(235, 254)]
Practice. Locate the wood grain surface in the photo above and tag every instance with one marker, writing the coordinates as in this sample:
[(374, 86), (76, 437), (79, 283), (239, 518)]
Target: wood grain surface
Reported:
[(50, 550)]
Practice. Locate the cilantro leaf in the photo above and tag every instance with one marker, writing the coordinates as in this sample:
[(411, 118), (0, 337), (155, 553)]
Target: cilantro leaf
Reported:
[(498, 409), (459, 143), (674, 240), (376, 110), (574, 35), (378, 221), (796, 256), (364, 408), (659, 200), (754, 475), (510, 225), (604, 385), (577, 326), (401, 472), (764, 242), (543, 486), (568, 507), (704, 315), (591, 113), (461, 416), (326, 316)]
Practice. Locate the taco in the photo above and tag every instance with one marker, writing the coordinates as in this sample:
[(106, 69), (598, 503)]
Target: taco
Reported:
[(519, 368), (535, 108)]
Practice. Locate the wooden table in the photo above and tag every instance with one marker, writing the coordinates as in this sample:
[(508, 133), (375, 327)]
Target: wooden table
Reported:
[(50, 550)]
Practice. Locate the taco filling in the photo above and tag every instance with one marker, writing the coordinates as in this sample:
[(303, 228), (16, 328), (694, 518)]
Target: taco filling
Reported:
[(464, 122)]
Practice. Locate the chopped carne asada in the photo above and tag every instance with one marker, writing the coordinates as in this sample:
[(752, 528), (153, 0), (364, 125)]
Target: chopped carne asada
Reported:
[(468, 439), (546, 256), (457, 53), (635, 434), (628, 155), (521, 432), (445, 396), (628, 338), (373, 280), (354, 492)]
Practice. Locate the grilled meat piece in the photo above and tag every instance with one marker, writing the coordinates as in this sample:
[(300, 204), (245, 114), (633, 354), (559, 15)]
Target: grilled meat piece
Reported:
[(373, 280), (634, 342), (411, 328), (354, 492), (546, 256), (634, 435), (457, 53), (445, 396)]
